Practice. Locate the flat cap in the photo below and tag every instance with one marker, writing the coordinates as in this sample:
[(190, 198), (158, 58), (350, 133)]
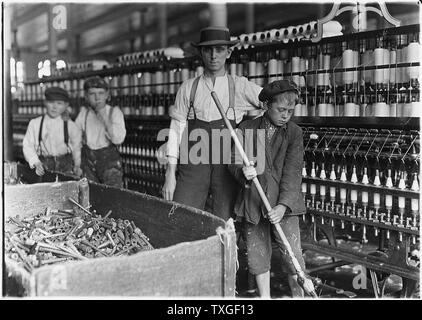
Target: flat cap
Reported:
[(277, 87), (95, 82), (56, 93)]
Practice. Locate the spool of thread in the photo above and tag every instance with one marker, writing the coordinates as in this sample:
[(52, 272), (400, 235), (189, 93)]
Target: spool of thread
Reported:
[(288, 69), (272, 69), (350, 110), (259, 72), (338, 77), (305, 112), (298, 110), (381, 109), (134, 80), (166, 81), (392, 73), (399, 71), (159, 79), (239, 69), (296, 68), (75, 88), (405, 71), (280, 69), (326, 66), (393, 109), (379, 60), (355, 64), (184, 74), (416, 109), (172, 78), (407, 110), (348, 63), (412, 55), (322, 190), (233, 68), (312, 65), (367, 61), (386, 60), (81, 87), (146, 82), (302, 68), (330, 110), (252, 70), (399, 109), (321, 110)]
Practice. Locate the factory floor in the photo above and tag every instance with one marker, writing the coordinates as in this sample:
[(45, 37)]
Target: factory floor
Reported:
[(338, 282)]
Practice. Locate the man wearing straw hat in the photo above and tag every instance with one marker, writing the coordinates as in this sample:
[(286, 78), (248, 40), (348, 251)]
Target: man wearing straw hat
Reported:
[(196, 115)]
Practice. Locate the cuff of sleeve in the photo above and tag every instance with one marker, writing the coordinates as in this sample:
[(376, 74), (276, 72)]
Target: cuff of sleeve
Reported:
[(172, 159), (286, 203), (33, 161), (176, 116)]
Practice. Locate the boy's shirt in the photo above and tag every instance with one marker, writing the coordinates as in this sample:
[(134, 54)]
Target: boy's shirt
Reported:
[(281, 175), (52, 143), (96, 134)]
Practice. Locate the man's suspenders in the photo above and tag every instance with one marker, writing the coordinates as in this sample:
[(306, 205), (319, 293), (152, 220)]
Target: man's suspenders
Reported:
[(231, 96)]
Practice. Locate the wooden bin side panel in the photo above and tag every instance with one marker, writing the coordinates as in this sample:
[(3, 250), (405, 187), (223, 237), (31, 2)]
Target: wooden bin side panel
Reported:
[(165, 223), (27, 200), (17, 281), (187, 269)]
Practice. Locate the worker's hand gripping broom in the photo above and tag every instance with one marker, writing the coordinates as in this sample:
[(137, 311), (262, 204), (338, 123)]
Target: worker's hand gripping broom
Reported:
[(304, 282)]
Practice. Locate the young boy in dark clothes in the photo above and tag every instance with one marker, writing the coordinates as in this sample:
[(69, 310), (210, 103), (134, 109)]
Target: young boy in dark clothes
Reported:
[(279, 172), (103, 128)]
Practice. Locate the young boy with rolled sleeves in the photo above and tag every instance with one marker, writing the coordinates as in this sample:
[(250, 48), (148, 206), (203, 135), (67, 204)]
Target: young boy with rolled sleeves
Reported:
[(103, 128), (53, 142), (279, 173)]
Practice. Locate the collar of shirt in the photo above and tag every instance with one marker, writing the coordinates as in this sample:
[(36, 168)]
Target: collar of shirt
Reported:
[(208, 80), (47, 118), (267, 122), (270, 128)]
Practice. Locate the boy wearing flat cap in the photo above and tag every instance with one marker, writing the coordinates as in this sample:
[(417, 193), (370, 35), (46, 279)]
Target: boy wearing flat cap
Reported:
[(279, 173), (103, 128), (53, 142), (195, 112)]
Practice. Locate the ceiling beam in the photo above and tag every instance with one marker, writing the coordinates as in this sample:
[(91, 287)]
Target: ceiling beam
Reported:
[(182, 17), (114, 13)]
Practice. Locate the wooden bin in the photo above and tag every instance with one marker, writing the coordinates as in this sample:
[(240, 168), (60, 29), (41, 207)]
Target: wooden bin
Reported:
[(194, 255)]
